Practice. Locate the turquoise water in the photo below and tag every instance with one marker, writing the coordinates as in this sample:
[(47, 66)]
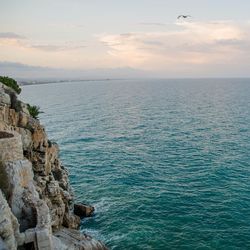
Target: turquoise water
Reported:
[(166, 163)]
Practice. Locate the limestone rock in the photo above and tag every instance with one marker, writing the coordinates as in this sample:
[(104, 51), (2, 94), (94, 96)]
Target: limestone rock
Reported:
[(75, 240), (24, 107), (4, 99), (71, 220), (83, 210), (23, 120), (11, 148), (39, 138), (20, 177), (9, 227), (53, 189), (26, 138), (38, 194)]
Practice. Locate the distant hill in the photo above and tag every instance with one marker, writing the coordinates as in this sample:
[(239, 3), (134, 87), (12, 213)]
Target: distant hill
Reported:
[(27, 73)]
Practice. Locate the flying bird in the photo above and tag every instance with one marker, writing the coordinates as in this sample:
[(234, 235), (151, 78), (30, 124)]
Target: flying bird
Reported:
[(183, 16)]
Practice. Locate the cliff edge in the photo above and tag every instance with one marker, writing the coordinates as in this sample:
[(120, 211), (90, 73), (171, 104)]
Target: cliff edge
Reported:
[(36, 200)]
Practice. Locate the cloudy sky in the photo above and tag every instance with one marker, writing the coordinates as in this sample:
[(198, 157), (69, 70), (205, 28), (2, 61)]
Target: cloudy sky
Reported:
[(137, 34)]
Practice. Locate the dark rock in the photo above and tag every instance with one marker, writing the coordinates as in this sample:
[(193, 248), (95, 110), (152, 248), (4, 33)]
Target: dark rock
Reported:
[(4, 134), (83, 210)]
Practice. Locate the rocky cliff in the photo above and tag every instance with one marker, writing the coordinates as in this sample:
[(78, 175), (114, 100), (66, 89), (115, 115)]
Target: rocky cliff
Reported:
[(36, 200)]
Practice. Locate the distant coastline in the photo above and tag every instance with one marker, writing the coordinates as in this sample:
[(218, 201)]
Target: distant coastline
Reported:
[(22, 82), (35, 82)]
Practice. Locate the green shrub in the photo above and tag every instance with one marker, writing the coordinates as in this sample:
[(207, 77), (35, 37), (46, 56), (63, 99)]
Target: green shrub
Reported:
[(34, 111), (10, 83)]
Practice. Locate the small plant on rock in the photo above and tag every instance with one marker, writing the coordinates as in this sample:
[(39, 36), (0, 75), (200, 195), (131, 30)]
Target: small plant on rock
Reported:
[(34, 111)]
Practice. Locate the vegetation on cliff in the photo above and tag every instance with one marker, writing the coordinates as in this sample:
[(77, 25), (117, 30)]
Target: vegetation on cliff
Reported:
[(10, 82), (34, 110)]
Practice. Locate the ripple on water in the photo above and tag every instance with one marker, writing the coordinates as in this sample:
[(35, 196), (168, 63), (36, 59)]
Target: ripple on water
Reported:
[(165, 162)]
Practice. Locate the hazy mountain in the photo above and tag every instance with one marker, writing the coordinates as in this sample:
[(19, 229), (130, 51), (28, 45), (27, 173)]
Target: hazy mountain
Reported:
[(28, 72)]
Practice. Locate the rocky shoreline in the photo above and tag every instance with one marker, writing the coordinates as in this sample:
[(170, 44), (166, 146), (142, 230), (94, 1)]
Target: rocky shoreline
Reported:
[(37, 209)]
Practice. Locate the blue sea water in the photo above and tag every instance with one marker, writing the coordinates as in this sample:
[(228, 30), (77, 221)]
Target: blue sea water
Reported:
[(166, 163)]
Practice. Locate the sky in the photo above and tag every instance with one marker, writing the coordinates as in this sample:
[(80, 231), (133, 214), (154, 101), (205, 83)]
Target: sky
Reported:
[(141, 36)]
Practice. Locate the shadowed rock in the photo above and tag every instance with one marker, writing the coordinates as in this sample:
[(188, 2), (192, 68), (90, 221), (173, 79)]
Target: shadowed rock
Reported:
[(83, 210)]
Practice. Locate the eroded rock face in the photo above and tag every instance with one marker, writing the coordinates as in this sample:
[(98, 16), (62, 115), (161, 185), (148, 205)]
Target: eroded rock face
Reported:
[(22, 192), (50, 177), (36, 184), (9, 227)]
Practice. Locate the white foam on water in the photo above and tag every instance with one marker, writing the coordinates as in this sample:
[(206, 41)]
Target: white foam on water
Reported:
[(103, 205)]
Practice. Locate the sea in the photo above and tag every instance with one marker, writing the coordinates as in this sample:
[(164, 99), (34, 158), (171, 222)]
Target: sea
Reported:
[(165, 162)]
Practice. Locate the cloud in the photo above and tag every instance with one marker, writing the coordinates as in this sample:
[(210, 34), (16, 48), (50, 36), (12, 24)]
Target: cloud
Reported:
[(10, 35), (187, 48), (195, 43), (11, 39), (14, 40), (67, 26), (152, 24), (56, 48)]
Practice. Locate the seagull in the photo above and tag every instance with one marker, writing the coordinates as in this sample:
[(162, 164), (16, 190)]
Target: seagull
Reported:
[(183, 16)]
